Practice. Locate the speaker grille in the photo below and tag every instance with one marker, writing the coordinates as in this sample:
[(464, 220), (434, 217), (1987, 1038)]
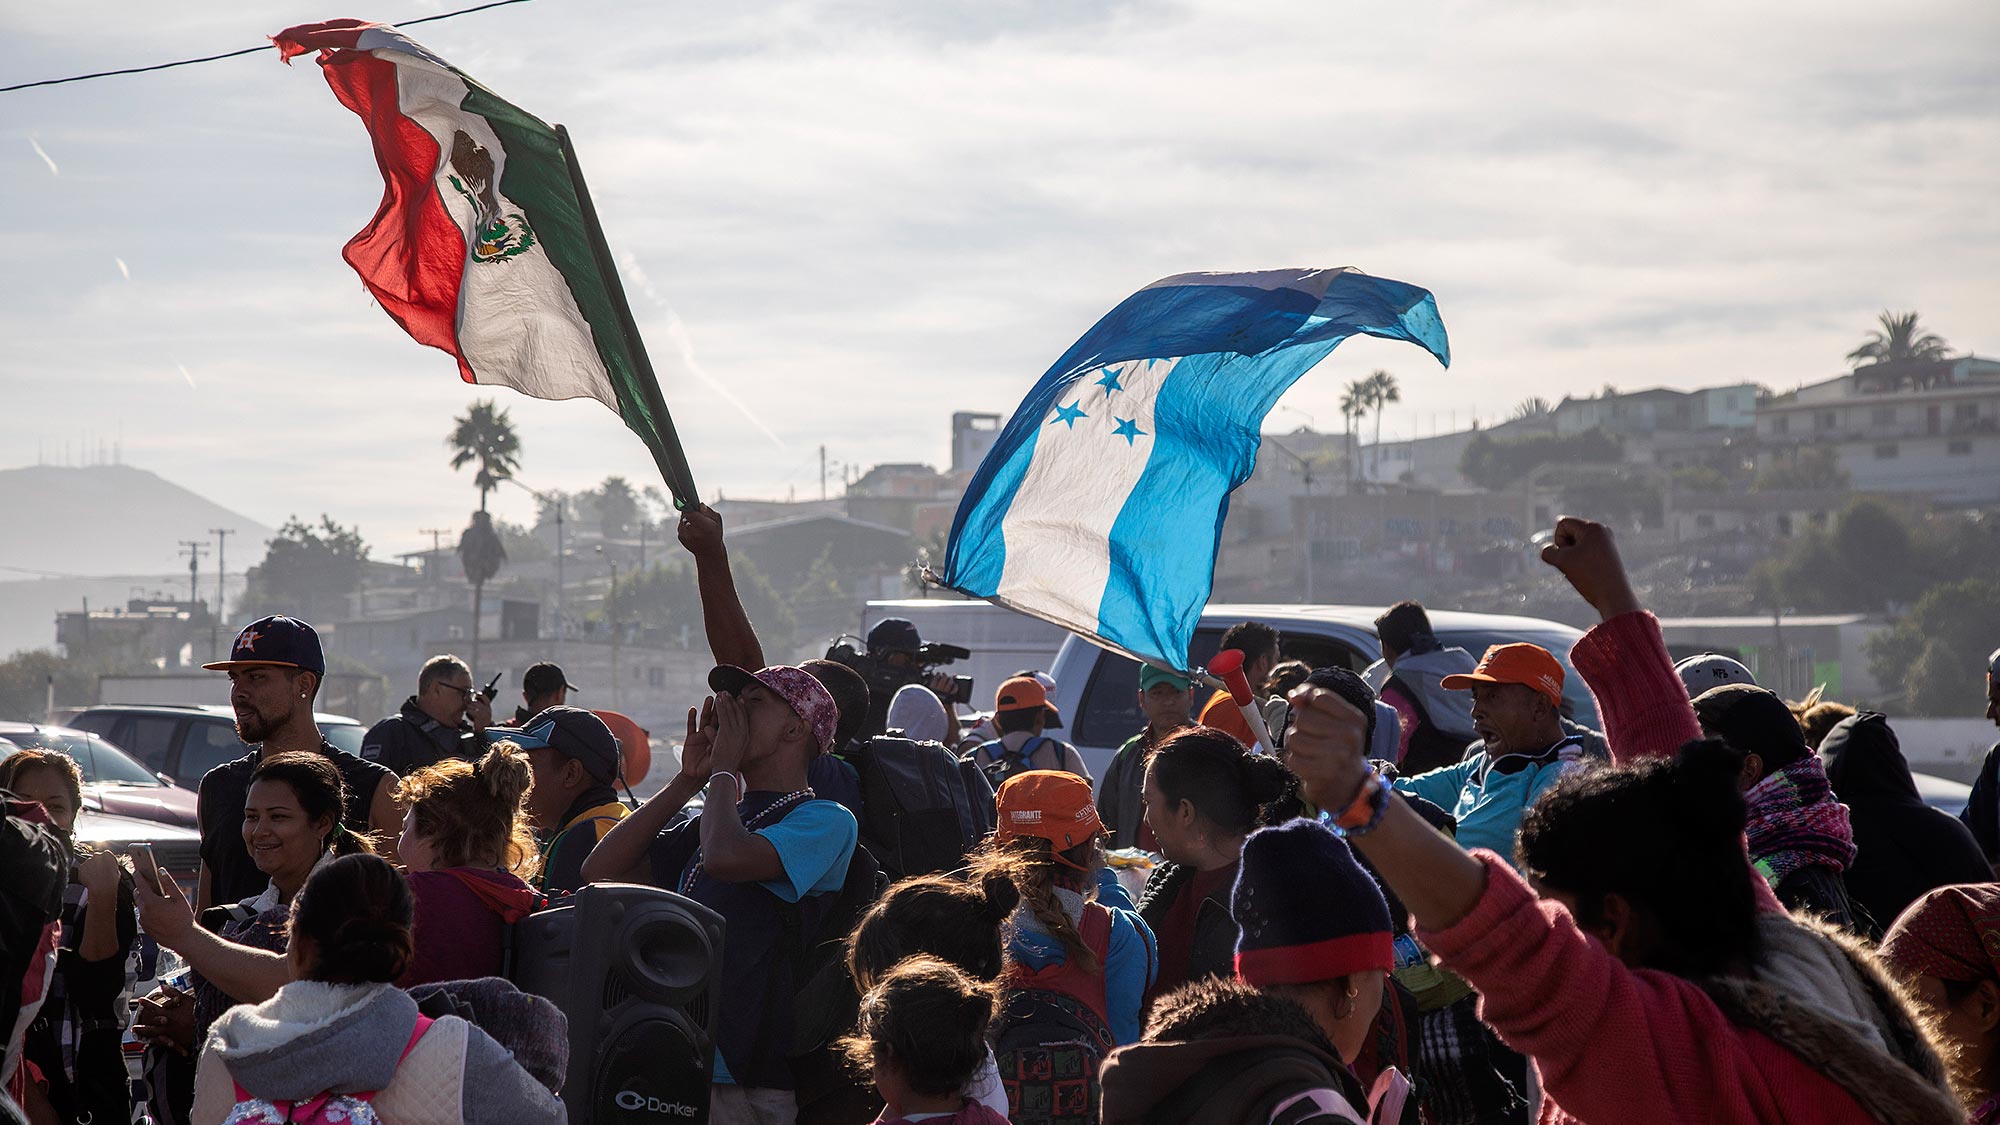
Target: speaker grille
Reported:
[(617, 990)]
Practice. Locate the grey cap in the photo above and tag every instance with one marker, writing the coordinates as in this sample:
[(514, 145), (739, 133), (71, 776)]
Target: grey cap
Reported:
[(1712, 670)]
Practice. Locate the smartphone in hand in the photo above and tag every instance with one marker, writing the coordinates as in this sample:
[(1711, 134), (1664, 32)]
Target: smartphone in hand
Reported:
[(145, 867)]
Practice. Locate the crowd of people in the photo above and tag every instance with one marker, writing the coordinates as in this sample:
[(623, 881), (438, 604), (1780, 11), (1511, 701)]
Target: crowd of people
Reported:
[(1415, 892)]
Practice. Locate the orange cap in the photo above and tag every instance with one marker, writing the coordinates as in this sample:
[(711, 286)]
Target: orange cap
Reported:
[(1025, 693), (1054, 805), (1529, 665)]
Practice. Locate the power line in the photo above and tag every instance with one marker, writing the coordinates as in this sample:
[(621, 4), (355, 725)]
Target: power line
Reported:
[(231, 54)]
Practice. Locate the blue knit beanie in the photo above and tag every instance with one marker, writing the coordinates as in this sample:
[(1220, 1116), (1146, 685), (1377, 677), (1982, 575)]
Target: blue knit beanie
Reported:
[(1307, 909)]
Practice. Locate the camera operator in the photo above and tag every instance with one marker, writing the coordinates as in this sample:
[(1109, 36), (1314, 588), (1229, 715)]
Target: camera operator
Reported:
[(899, 658)]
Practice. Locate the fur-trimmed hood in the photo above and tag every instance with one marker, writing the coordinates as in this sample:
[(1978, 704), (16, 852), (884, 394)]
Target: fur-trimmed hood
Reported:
[(313, 1037), (1821, 995)]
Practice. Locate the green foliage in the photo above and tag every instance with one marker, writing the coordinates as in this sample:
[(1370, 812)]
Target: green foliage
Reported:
[(1534, 406), (1810, 467), (617, 508), (485, 435), (522, 545), (1900, 340), (661, 596), (1934, 660), (1701, 479), (308, 571), (1873, 560), (25, 678), (769, 612), (480, 550), (1494, 463)]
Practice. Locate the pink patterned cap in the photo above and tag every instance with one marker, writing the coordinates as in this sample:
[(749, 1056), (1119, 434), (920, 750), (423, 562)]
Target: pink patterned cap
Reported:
[(808, 698)]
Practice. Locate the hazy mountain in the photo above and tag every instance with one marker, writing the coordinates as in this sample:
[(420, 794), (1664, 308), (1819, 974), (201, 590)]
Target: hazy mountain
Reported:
[(112, 520)]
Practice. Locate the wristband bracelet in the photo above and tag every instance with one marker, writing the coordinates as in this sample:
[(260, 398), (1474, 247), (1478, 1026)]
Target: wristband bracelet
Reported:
[(1365, 812), (735, 777)]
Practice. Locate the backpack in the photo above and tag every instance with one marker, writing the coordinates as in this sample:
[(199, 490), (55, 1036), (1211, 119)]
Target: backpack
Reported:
[(328, 1108), (1006, 763), (825, 1006), (1051, 1034), (1272, 1082), (921, 811)]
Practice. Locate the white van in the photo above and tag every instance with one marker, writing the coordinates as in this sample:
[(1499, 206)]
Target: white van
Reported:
[(1098, 691)]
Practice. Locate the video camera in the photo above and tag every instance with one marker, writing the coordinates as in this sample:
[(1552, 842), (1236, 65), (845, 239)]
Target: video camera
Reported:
[(885, 679)]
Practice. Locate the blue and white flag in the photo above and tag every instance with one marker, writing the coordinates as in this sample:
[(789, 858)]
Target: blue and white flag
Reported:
[(1101, 505)]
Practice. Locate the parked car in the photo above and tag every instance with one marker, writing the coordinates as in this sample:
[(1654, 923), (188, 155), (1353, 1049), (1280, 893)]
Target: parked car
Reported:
[(184, 740), (1098, 691), (177, 850), (1942, 792), (112, 781)]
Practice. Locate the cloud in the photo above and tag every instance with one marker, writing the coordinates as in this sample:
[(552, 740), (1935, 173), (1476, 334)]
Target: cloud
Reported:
[(872, 214), (43, 153)]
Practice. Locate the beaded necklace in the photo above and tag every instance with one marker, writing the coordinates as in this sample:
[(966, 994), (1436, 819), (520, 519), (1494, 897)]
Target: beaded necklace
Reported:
[(771, 814)]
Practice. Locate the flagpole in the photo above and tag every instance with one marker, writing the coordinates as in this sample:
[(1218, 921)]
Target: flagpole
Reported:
[(668, 455)]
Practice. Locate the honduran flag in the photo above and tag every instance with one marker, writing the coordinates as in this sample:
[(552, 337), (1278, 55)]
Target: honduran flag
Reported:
[(1101, 504), (486, 245)]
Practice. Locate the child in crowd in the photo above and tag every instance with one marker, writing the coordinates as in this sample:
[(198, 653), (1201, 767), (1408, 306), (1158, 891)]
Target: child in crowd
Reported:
[(1077, 969), (922, 1035), (955, 921)]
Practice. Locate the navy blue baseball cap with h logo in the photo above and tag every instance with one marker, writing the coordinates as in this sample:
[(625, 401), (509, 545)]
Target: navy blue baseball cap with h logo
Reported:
[(277, 642)]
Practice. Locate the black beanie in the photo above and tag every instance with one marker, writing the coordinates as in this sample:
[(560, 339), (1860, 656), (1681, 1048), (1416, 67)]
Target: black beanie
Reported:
[(1350, 687)]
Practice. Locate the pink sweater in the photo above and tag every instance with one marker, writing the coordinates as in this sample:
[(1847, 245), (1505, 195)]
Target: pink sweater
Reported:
[(1615, 1043), (1642, 700)]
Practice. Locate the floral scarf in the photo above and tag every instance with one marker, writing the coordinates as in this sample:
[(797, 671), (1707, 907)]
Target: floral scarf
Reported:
[(1795, 823)]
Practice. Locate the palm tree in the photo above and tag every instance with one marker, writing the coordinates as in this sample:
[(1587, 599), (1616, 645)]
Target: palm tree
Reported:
[(1899, 341), (1534, 406), (1353, 404), (481, 553), (485, 435), (1382, 390)]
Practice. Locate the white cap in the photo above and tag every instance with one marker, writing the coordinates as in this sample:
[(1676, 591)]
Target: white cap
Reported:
[(1712, 670)]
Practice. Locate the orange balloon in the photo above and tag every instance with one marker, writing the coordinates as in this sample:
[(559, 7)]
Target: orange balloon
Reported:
[(634, 743)]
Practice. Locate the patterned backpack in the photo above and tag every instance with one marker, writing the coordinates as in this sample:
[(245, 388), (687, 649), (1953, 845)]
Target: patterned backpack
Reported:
[(328, 1108), (1052, 1034)]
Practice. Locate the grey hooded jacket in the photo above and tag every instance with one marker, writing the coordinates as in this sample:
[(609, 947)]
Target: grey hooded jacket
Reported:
[(313, 1037)]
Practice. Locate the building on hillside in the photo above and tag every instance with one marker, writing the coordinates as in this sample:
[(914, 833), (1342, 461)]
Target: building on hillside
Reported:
[(1432, 462), (1928, 429), (1790, 655), (972, 436), (165, 633), (1658, 410), (865, 560), (915, 498), (1769, 516)]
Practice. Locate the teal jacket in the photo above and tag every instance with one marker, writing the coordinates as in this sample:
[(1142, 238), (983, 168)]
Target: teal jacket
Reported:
[(1489, 796)]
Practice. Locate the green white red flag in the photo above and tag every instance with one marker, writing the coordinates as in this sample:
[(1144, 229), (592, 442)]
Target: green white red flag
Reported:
[(486, 245)]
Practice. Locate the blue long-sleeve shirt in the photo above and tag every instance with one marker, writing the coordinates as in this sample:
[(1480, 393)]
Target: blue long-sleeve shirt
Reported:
[(1490, 796), (1130, 965)]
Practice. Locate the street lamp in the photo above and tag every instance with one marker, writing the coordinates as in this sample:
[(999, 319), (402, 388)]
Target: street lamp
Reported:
[(556, 498)]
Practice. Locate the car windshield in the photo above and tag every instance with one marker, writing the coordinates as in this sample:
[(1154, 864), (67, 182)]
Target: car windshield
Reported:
[(101, 762), (344, 736), (1577, 700)]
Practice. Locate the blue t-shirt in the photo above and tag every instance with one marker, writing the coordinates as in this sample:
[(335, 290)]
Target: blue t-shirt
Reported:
[(815, 842)]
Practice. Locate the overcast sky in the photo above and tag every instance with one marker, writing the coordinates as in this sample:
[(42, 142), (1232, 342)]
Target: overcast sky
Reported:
[(870, 214)]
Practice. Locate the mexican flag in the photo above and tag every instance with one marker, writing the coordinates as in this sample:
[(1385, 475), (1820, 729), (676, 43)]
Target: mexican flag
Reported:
[(486, 245)]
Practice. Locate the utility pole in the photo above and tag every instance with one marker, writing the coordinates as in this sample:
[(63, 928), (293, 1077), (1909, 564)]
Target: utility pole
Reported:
[(437, 535), (822, 472), (194, 549), (222, 535), (611, 616)]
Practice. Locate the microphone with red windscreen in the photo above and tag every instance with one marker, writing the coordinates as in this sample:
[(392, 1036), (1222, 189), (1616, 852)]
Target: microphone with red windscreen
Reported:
[(1228, 665)]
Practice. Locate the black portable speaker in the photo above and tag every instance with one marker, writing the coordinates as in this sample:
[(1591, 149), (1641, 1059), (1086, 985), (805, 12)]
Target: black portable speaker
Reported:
[(638, 972)]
